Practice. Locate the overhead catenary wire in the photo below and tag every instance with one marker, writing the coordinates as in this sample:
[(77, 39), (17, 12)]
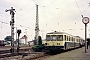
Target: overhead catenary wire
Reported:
[(46, 10), (84, 10), (43, 7), (15, 24), (7, 22), (3, 16), (53, 14), (82, 4), (15, 17), (6, 15), (78, 7), (22, 10), (18, 7), (49, 13)]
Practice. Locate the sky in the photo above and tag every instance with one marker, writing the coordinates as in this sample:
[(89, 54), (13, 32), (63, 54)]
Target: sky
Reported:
[(54, 15)]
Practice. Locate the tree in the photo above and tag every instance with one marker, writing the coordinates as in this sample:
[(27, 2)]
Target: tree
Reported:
[(39, 40), (39, 47), (8, 38)]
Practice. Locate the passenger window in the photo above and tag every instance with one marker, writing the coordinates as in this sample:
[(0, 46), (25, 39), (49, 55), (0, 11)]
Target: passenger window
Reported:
[(60, 38), (77, 40), (48, 38), (67, 38), (72, 38), (64, 37)]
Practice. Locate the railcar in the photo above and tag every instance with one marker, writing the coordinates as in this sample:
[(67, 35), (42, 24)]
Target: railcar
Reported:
[(3, 43), (81, 41), (61, 41)]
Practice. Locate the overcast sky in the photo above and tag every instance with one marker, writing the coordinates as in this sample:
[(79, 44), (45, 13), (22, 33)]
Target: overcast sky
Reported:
[(54, 15)]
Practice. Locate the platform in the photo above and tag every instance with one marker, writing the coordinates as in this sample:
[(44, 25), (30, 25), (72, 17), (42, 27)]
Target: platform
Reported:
[(77, 54)]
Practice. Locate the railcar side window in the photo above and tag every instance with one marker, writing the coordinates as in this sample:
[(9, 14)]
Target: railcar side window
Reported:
[(48, 38), (72, 38), (67, 38), (60, 38), (64, 37), (77, 40)]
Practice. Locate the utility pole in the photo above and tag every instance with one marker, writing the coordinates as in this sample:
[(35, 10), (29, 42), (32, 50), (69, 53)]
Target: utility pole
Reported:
[(12, 27), (36, 27)]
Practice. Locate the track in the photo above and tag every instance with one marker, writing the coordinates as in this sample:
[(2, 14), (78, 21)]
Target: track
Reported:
[(6, 49), (29, 54), (24, 53)]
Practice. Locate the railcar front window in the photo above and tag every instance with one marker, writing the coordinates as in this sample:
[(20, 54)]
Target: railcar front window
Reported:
[(48, 38), (54, 37)]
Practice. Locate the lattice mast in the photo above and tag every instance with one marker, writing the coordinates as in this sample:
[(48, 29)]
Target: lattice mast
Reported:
[(36, 26), (12, 27)]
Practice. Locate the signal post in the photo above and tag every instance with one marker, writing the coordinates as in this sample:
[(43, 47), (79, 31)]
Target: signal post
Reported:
[(85, 20), (12, 27)]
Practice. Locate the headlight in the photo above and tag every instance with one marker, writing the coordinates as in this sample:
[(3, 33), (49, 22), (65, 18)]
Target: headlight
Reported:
[(58, 43), (45, 43)]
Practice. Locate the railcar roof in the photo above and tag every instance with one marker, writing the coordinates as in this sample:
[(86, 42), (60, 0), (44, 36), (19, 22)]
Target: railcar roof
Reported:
[(55, 32), (79, 37), (58, 33)]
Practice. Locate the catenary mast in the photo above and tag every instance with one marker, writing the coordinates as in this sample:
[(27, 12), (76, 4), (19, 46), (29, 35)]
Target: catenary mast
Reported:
[(36, 27)]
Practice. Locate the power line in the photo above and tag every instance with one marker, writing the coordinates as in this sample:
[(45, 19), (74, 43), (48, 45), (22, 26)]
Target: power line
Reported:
[(76, 4), (19, 9), (15, 24), (17, 6), (83, 10), (81, 3), (44, 8), (15, 17), (78, 7), (49, 12), (3, 14), (4, 22), (8, 23), (35, 3)]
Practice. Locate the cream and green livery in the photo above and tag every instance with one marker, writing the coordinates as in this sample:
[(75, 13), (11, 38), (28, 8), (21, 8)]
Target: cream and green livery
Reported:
[(62, 41)]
